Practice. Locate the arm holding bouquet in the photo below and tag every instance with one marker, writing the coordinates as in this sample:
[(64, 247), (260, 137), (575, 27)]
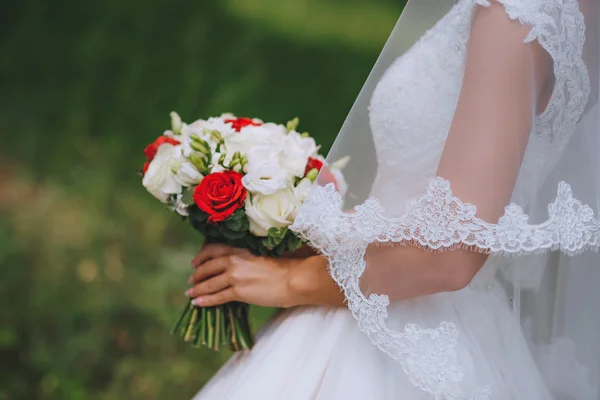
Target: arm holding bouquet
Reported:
[(240, 182), (224, 274)]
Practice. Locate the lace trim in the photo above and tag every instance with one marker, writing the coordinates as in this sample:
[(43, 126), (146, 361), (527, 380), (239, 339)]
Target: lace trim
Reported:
[(557, 26), (438, 221)]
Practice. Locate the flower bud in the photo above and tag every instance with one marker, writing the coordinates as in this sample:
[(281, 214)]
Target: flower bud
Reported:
[(199, 147), (176, 123), (216, 135), (198, 162), (305, 134), (293, 124), (175, 169), (195, 137), (312, 174)]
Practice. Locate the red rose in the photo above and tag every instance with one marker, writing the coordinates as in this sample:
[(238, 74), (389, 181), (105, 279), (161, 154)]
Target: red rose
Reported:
[(239, 123), (152, 148), (313, 163), (220, 194)]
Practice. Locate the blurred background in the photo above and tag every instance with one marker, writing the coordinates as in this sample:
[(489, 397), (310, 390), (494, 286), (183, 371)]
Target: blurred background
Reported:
[(93, 268)]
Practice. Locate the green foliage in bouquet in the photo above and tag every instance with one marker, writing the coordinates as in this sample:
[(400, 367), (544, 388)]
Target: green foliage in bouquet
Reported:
[(235, 231)]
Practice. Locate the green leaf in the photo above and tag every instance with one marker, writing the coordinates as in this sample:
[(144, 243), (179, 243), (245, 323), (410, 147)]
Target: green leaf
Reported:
[(233, 235), (188, 196), (277, 235), (238, 214), (234, 224), (293, 242)]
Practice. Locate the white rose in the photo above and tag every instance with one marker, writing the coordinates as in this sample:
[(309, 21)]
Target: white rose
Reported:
[(272, 211), (301, 192), (159, 179), (264, 174)]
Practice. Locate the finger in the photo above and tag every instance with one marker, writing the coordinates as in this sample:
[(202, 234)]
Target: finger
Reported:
[(210, 268), (209, 251), (209, 286), (222, 297)]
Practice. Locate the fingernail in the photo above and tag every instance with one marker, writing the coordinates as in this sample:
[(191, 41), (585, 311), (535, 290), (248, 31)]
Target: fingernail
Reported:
[(188, 293), (197, 301), (191, 279)]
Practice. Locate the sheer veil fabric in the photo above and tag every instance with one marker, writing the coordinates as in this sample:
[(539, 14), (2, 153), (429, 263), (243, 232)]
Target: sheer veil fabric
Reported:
[(475, 135)]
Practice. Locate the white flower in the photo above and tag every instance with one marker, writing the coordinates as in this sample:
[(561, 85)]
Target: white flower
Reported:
[(264, 173), (301, 192), (239, 142), (295, 152), (293, 159), (187, 175), (212, 124), (275, 133), (272, 211), (307, 145), (251, 136), (159, 179)]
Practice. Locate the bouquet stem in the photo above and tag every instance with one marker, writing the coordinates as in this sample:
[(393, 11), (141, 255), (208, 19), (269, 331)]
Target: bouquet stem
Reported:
[(224, 325)]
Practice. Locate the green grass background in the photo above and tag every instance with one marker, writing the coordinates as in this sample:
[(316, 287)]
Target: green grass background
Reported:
[(93, 269)]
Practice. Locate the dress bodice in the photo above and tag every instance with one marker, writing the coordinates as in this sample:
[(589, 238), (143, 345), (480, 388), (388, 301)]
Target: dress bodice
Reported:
[(411, 111)]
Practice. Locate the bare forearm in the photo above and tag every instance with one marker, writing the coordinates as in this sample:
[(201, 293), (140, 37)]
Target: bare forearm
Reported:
[(310, 284), (400, 272), (404, 272)]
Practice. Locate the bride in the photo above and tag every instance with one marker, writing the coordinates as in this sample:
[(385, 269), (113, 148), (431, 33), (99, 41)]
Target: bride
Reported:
[(475, 113)]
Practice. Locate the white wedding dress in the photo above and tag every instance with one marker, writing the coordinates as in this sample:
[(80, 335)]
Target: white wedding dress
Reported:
[(309, 353)]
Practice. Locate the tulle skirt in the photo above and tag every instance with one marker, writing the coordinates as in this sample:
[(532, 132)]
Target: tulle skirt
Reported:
[(310, 353)]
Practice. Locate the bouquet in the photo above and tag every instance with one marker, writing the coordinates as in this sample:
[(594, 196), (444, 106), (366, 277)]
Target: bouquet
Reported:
[(238, 181)]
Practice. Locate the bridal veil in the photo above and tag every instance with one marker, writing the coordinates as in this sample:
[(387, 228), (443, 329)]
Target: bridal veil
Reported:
[(530, 203)]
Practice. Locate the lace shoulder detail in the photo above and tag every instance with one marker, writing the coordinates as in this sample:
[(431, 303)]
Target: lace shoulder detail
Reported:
[(558, 25)]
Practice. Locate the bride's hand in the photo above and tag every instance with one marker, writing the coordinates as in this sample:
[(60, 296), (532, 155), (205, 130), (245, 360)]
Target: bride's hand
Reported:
[(223, 274)]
